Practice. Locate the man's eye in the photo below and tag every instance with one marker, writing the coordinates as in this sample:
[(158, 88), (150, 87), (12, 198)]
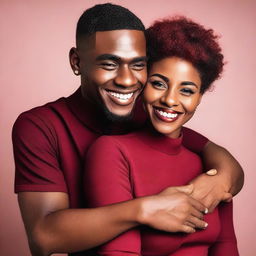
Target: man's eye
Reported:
[(187, 91), (158, 84), (108, 65), (139, 65)]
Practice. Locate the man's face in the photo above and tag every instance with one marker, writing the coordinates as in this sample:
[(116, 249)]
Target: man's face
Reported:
[(113, 69)]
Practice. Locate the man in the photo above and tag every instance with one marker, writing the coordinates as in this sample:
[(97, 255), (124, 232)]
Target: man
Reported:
[(50, 143)]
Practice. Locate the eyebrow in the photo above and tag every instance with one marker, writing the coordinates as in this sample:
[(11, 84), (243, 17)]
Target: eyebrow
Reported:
[(166, 79), (138, 59), (189, 83), (162, 77), (117, 58), (108, 57)]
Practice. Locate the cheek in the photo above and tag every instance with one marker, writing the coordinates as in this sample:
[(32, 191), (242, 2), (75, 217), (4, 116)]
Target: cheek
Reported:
[(190, 105), (142, 76), (150, 95), (100, 77)]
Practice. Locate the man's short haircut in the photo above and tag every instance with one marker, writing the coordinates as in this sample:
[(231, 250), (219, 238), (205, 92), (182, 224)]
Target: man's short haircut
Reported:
[(107, 17)]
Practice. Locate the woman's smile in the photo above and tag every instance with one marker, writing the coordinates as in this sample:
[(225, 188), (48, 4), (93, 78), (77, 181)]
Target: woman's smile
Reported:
[(172, 94)]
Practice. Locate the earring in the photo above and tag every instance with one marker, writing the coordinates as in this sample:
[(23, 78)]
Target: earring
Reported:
[(76, 72)]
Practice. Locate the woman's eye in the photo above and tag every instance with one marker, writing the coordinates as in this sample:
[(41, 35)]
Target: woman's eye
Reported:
[(187, 91), (158, 84)]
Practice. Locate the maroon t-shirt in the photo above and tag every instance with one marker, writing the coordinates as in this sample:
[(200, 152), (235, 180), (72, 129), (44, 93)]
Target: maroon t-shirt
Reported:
[(50, 143)]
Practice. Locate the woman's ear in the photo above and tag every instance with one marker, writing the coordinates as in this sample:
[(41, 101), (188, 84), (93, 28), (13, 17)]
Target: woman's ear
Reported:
[(74, 61)]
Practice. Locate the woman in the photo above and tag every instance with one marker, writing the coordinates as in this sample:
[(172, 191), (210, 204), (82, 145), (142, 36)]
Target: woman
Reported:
[(184, 60)]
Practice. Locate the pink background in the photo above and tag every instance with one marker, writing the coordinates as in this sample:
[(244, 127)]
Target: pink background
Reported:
[(35, 39)]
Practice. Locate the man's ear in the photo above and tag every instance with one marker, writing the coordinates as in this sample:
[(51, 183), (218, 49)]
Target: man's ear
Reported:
[(74, 61)]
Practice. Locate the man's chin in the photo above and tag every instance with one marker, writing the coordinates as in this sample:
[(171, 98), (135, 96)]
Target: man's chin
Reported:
[(110, 116)]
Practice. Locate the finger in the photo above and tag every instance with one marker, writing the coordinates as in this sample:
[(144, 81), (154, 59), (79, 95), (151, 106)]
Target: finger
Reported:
[(212, 172), (212, 205), (188, 189), (190, 224), (197, 223), (227, 197), (198, 205), (197, 214), (187, 229)]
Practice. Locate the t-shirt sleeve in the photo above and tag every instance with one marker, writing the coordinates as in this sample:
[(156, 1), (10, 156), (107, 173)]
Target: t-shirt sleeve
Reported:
[(226, 243), (36, 157), (107, 181), (193, 141)]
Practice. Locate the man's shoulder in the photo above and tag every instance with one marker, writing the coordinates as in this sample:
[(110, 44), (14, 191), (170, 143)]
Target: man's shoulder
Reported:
[(44, 111), (41, 117)]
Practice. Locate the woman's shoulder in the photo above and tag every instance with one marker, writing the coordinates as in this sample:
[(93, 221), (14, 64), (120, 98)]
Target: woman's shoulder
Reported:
[(124, 142)]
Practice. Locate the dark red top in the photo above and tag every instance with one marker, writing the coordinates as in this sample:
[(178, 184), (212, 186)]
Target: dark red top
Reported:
[(120, 168), (50, 143)]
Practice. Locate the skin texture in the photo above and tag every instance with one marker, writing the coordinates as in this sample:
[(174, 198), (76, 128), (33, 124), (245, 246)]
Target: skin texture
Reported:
[(173, 87), (52, 227), (112, 62)]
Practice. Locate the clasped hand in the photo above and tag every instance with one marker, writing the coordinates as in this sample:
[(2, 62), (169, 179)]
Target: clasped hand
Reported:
[(174, 210)]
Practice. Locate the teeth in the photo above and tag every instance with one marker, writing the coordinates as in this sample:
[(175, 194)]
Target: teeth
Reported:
[(122, 96), (165, 114)]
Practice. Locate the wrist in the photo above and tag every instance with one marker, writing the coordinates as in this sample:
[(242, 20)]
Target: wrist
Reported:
[(225, 179), (146, 210), (222, 179)]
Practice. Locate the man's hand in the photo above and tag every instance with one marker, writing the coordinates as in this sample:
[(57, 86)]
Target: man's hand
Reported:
[(173, 210), (210, 190)]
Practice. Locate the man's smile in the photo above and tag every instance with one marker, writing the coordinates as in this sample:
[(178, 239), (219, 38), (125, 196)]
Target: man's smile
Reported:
[(122, 98)]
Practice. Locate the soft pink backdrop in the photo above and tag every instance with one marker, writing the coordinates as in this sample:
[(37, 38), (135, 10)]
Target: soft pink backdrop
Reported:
[(35, 40)]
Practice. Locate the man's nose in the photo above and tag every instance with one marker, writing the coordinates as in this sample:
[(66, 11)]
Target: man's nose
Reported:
[(125, 77), (170, 98)]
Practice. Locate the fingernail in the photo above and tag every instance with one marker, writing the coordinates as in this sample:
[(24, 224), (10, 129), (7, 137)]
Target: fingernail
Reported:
[(212, 172), (205, 225), (206, 211)]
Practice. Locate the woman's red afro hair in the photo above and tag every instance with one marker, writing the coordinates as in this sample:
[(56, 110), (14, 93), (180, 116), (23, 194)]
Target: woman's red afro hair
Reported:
[(183, 38)]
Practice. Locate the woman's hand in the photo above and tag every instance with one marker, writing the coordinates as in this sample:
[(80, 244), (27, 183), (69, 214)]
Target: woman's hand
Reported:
[(173, 210)]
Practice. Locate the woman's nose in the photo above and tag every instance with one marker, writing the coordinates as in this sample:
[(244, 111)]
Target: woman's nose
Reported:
[(170, 98)]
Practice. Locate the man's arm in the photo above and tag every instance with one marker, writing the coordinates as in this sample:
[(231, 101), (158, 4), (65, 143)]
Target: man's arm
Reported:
[(52, 227), (229, 180), (226, 243)]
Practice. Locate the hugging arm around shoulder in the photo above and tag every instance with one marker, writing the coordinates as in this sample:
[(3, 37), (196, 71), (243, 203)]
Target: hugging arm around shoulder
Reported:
[(226, 243), (229, 179), (54, 227), (107, 181)]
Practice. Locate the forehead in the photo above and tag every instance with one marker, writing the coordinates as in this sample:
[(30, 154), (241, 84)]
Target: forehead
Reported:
[(173, 67), (123, 43)]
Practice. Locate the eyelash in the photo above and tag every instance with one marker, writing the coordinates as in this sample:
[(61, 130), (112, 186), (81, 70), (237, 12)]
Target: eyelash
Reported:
[(108, 66), (158, 84), (161, 86), (113, 66), (139, 66), (187, 91)]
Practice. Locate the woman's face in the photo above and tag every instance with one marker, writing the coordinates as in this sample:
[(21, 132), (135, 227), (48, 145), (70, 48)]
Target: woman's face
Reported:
[(172, 94)]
